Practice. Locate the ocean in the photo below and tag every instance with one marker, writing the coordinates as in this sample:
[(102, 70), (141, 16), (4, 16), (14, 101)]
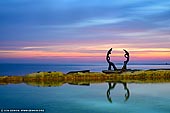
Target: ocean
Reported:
[(23, 69)]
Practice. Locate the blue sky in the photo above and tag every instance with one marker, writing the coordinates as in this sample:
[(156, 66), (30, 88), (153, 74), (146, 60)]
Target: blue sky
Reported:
[(81, 28)]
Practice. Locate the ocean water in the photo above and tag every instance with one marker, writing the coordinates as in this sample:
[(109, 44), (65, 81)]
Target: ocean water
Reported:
[(140, 98), (23, 69)]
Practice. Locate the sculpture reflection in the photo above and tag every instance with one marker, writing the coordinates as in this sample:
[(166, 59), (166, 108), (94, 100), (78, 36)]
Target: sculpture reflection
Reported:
[(112, 86)]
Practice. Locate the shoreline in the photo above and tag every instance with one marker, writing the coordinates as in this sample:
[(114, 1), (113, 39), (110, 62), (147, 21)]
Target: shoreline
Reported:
[(59, 78)]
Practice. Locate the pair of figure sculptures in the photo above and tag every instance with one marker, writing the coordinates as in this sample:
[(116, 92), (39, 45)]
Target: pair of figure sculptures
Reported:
[(111, 64)]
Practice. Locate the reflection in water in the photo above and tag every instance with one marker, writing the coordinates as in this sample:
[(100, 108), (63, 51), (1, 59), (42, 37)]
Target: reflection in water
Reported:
[(82, 84), (112, 86)]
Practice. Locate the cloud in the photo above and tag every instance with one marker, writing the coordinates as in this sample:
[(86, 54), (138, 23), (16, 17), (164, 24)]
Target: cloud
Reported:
[(86, 27)]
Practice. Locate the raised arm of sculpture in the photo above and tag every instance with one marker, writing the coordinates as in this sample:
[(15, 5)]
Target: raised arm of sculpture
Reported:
[(124, 68), (107, 56), (108, 60), (126, 55)]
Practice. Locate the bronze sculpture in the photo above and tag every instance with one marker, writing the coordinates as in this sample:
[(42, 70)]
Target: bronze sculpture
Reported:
[(124, 68), (111, 64), (108, 60)]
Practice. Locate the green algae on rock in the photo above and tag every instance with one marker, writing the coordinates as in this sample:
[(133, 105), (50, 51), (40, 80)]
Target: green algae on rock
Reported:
[(59, 78)]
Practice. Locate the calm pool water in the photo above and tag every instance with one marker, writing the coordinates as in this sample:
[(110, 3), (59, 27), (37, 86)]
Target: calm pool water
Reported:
[(142, 98)]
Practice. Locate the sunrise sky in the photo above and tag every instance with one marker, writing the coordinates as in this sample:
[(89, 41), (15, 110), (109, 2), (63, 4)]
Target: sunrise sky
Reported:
[(71, 31)]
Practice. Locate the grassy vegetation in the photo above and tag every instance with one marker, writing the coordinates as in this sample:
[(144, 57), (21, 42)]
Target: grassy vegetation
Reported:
[(59, 78)]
